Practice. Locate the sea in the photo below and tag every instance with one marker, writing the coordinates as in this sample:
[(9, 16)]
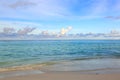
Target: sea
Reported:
[(64, 55)]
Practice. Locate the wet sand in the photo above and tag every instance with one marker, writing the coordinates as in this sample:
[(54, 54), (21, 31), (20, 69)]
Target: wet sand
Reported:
[(68, 75), (77, 70)]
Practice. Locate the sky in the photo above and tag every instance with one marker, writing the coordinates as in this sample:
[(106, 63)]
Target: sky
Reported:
[(82, 16)]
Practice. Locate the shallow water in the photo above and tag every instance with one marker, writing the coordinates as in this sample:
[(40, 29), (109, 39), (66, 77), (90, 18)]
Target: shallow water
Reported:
[(87, 65), (20, 53)]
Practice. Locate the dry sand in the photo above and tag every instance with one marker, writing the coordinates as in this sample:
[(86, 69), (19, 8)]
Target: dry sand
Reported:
[(65, 76)]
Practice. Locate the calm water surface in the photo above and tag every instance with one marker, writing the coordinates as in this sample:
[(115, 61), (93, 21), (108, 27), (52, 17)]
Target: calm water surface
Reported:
[(15, 53)]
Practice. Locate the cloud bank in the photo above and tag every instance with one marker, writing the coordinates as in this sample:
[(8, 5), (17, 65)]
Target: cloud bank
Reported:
[(9, 33), (25, 31)]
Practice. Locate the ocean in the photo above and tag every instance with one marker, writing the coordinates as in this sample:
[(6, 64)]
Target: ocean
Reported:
[(21, 53)]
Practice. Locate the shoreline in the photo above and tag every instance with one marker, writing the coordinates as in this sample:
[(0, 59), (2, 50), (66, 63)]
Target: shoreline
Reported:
[(80, 68), (69, 65)]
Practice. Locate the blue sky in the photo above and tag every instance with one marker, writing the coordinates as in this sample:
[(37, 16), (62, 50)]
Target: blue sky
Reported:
[(97, 16)]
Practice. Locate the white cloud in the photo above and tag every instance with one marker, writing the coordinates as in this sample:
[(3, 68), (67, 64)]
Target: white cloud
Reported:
[(114, 33), (65, 30), (25, 30), (36, 31)]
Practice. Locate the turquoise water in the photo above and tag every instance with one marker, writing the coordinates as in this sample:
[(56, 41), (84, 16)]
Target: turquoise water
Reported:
[(15, 53)]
